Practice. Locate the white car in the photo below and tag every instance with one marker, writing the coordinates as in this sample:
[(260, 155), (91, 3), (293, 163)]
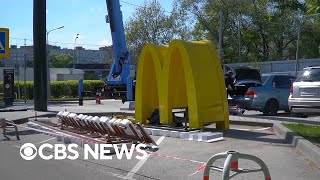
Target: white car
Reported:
[(304, 96)]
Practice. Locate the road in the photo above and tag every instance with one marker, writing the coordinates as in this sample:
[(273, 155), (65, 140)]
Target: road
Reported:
[(283, 161), (178, 159)]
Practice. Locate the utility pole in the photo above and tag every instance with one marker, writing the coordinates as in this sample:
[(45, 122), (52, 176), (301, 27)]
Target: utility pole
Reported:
[(297, 51), (25, 74), (220, 34), (40, 58), (48, 61), (299, 22), (239, 42), (16, 67), (74, 52)]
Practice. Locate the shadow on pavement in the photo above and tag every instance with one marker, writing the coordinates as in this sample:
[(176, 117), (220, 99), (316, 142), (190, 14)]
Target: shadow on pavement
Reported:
[(248, 135), (252, 136), (283, 118), (23, 132)]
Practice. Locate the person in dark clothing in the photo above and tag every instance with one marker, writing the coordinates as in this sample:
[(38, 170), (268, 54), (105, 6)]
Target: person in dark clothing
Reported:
[(229, 80)]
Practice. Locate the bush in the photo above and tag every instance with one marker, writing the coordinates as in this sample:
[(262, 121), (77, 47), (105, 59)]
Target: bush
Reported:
[(58, 88)]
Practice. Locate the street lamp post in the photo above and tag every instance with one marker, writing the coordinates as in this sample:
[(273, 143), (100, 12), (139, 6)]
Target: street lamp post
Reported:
[(297, 51), (300, 23), (48, 62), (74, 52), (239, 33)]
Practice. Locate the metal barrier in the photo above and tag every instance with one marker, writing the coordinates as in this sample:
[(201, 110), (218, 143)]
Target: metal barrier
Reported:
[(231, 164), (3, 125)]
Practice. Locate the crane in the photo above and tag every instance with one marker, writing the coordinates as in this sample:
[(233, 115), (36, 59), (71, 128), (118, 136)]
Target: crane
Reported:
[(120, 81)]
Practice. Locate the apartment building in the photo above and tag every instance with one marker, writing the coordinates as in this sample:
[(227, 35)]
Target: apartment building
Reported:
[(24, 54)]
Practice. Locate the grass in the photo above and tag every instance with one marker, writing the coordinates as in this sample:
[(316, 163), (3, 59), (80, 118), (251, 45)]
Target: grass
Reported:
[(309, 132)]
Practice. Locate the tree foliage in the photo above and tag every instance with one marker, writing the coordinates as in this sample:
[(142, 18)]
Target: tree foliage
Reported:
[(252, 30), (152, 24), (60, 60)]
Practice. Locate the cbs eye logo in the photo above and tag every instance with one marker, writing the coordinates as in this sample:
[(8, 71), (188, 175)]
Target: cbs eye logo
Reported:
[(28, 151)]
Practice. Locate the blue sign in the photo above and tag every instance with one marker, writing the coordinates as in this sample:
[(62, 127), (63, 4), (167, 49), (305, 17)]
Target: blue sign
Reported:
[(4, 42)]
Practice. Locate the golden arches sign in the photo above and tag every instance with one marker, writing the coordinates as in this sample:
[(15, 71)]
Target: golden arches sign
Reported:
[(183, 74)]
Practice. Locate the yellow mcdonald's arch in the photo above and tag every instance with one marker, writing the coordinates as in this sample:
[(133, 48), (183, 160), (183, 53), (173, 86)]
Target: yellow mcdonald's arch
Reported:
[(183, 74)]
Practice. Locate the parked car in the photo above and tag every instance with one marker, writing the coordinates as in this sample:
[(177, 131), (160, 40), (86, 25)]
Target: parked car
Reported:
[(244, 78), (269, 97), (304, 97)]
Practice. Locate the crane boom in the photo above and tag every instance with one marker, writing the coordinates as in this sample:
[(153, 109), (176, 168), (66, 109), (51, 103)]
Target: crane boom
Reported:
[(122, 70)]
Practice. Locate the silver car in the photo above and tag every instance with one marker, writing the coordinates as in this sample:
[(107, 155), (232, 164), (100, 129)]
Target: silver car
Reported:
[(304, 96)]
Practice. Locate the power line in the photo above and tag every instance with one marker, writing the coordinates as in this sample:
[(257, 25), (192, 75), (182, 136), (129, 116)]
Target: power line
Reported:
[(21, 39), (132, 4), (77, 44), (57, 42), (141, 6)]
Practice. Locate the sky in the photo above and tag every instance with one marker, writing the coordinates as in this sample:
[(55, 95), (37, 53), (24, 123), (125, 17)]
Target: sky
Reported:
[(83, 17)]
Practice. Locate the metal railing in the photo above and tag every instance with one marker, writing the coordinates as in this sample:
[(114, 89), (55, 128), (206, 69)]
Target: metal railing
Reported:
[(231, 165)]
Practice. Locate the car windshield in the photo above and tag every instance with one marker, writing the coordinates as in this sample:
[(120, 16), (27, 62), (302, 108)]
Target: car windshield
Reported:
[(309, 75), (264, 78)]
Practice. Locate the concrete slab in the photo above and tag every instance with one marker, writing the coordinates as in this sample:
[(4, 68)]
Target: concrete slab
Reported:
[(165, 133), (175, 134), (188, 135), (148, 130), (156, 132), (212, 137), (183, 135), (129, 105)]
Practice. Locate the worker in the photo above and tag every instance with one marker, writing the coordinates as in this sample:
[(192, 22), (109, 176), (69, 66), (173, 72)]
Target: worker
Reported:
[(229, 81)]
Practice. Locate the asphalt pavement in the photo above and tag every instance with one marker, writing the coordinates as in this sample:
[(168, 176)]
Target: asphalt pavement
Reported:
[(176, 159)]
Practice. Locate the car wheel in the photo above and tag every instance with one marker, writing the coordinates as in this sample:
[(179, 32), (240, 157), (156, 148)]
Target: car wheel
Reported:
[(271, 108)]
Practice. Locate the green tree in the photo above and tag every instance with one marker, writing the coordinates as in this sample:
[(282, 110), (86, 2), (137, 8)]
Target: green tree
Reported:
[(109, 61), (29, 63), (313, 6), (60, 60), (150, 23), (268, 29)]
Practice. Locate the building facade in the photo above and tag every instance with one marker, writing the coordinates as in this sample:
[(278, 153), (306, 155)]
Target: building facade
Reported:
[(24, 55)]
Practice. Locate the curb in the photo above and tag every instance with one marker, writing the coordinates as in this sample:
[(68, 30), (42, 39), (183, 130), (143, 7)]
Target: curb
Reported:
[(298, 142), (251, 123)]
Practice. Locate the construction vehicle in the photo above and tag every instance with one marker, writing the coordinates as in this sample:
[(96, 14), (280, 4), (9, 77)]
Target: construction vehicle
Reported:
[(120, 81)]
